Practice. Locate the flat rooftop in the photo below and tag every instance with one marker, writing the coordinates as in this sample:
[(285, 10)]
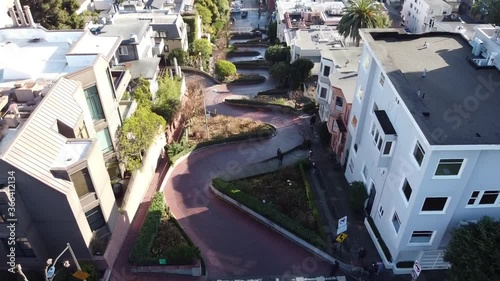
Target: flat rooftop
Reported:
[(124, 28), (318, 38), (92, 44), (463, 103), (346, 69)]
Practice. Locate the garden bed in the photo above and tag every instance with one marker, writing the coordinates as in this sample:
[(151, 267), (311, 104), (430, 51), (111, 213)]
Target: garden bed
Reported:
[(250, 44), (249, 79), (274, 92), (283, 197), (161, 240), (222, 129), (242, 53), (243, 35)]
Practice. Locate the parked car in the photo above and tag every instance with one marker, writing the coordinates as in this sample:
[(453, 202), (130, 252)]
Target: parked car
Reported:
[(258, 58), (257, 32), (244, 14)]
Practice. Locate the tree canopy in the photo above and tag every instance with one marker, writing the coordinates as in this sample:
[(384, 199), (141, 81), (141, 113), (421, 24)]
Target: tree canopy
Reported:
[(167, 103), (224, 69), (181, 56), (277, 53), (272, 31), (280, 72), (473, 251), (202, 47), (300, 71), (56, 14), (136, 134), (362, 14), (489, 9)]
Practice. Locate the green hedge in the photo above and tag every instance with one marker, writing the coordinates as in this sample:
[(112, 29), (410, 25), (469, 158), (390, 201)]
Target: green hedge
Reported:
[(380, 240), (191, 22), (260, 63), (312, 202), (266, 132), (249, 79), (274, 92), (245, 53), (269, 212), (256, 103), (142, 246), (250, 44)]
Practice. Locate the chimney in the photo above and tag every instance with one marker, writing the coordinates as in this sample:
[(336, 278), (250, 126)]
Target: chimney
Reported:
[(29, 16), (13, 16), (20, 13)]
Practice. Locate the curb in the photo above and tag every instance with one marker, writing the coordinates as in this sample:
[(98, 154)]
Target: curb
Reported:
[(315, 251), (171, 168)]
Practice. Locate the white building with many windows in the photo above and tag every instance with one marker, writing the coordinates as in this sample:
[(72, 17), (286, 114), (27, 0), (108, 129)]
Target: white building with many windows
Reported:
[(421, 15), (424, 140)]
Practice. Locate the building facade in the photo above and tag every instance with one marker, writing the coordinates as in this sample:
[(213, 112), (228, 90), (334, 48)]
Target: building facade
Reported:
[(424, 152), (421, 15)]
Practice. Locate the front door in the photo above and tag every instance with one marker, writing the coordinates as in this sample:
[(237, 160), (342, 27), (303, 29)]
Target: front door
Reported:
[(371, 199)]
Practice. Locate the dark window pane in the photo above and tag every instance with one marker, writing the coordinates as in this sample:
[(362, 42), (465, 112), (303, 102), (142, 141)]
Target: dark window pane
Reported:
[(387, 147), (489, 197), (82, 182), (94, 103), (419, 154), (449, 167), (326, 71), (95, 218), (434, 204), (407, 190)]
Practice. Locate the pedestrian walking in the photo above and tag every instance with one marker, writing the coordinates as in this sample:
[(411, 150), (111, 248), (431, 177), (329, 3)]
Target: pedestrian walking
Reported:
[(278, 153), (380, 267), (361, 255), (335, 268), (312, 121), (280, 158), (310, 157)]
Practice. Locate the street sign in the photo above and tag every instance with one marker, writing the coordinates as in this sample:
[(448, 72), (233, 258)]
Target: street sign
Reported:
[(81, 275), (417, 268), (162, 261), (341, 237), (342, 225), (50, 272)]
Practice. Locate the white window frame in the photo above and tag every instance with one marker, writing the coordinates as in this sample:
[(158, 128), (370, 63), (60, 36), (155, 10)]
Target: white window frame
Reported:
[(390, 150), (431, 238), (342, 100), (412, 154), (478, 198), (326, 93), (443, 211), (395, 215), (457, 176), (123, 51), (323, 70)]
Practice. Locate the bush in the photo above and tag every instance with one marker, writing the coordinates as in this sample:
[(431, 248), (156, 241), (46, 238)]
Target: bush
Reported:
[(274, 92), (224, 69), (191, 22), (253, 63), (278, 53), (357, 196), (380, 240), (255, 103), (243, 53), (309, 107), (203, 47), (249, 79), (181, 56), (269, 212)]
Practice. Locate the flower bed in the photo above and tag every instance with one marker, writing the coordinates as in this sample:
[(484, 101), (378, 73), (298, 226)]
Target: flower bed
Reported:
[(283, 197), (161, 238)]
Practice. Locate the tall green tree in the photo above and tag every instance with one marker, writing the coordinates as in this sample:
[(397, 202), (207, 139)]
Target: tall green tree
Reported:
[(487, 9), (136, 135), (280, 72), (473, 251), (204, 13), (300, 71), (360, 14), (167, 103), (181, 56), (56, 14), (278, 53), (202, 47), (272, 31)]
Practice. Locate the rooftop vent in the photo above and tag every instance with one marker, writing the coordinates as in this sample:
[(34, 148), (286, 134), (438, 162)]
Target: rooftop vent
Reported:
[(133, 37), (35, 40), (478, 135)]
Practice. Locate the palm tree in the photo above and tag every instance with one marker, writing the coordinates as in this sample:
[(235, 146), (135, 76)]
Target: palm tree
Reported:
[(361, 14)]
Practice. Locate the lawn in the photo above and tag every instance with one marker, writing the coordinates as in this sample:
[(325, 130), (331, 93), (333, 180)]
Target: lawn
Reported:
[(285, 190)]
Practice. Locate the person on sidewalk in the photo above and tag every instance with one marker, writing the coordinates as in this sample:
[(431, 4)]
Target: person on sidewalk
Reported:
[(361, 255), (280, 158), (335, 268), (380, 267), (312, 122), (278, 153)]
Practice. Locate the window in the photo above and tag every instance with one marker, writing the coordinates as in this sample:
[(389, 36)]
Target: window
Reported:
[(65, 130), (380, 211), (365, 172), (382, 79), (105, 140), (485, 198), (350, 165), (473, 198), (411, 5), (165, 49), (354, 121), (339, 103), (326, 71), (82, 132), (94, 103), (123, 51), (387, 148), (23, 247), (361, 93), (396, 222), (82, 182), (421, 237), (163, 34), (111, 83), (434, 204), (407, 190), (449, 167), (419, 153), (323, 93), (355, 147), (95, 218), (489, 197), (377, 137)]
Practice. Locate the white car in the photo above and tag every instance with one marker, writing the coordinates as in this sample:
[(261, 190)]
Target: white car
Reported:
[(259, 58)]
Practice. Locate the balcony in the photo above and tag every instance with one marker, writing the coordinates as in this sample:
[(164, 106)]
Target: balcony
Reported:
[(121, 79)]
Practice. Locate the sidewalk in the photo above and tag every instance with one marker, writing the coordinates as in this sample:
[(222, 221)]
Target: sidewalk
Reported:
[(332, 193)]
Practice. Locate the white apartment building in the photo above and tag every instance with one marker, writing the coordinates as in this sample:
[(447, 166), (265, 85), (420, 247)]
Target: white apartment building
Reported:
[(422, 15), (424, 138)]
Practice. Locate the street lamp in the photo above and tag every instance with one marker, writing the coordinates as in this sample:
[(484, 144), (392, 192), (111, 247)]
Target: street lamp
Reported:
[(50, 271)]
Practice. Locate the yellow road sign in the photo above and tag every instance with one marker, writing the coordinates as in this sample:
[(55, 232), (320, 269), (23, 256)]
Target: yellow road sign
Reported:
[(341, 237), (82, 275)]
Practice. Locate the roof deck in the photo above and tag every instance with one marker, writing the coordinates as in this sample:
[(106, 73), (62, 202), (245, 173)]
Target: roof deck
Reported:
[(452, 102)]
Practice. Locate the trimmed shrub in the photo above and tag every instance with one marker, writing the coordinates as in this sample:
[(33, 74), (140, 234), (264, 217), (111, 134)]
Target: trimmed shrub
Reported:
[(357, 196), (181, 56), (249, 79), (269, 212), (224, 69), (274, 92), (243, 53)]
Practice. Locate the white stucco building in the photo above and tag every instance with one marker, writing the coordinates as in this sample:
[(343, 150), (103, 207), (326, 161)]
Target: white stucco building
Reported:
[(424, 139), (421, 15)]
